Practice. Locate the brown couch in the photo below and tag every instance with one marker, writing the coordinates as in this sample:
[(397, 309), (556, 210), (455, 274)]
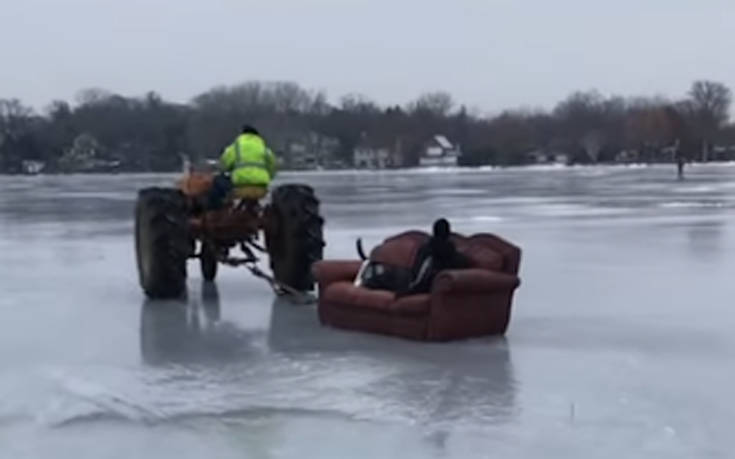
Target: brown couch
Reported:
[(462, 303)]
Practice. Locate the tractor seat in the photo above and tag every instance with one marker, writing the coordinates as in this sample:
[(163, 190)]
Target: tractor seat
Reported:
[(249, 193)]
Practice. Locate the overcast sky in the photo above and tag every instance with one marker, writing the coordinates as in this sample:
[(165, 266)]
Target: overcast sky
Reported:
[(490, 54)]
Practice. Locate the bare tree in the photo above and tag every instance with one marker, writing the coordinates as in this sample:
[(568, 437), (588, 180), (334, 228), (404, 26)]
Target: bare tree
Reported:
[(581, 105), (649, 126), (709, 109), (437, 103), (58, 110), (289, 97), (319, 105), (510, 136), (11, 109), (91, 96), (582, 118), (711, 102), (16, 139), (14, 118), (358, 103)]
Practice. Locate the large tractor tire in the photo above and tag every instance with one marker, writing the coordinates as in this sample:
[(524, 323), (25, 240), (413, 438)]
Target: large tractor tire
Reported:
[(162, 242), (294, 235)]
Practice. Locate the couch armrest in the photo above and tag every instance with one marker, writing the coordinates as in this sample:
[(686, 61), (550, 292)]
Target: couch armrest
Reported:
[(473, 280), (327, 272), (470, 302)]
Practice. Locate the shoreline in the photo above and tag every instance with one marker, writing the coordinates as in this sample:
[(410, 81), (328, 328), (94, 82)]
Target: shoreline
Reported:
[(416, 170)]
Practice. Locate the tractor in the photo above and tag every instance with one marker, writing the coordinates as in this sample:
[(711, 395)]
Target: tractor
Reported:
[(175, 224)]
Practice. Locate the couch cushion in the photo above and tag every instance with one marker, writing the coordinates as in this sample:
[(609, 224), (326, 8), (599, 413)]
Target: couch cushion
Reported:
[(348, 295), (510, 252), (480, 254), (399, 250), (412, 305)]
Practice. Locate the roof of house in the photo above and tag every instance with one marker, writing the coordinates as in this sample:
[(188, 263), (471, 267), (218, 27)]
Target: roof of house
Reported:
[(443, 142)]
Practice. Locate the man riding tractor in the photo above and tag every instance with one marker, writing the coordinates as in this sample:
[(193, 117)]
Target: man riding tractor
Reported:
[(205, 217), (247, 166)]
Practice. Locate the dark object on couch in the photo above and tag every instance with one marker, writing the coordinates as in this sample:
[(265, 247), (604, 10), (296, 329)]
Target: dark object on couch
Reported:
[(462, 303)]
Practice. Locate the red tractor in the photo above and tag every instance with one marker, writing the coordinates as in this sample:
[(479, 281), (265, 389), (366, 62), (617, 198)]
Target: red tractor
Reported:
[(173, 225)]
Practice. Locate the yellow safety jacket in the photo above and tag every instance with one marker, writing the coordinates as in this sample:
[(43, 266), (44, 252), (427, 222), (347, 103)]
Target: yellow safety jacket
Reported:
[(250, 161)]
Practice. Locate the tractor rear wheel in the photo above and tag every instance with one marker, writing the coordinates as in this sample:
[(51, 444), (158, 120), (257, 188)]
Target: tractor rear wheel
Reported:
[(294, 235), (162, 242)]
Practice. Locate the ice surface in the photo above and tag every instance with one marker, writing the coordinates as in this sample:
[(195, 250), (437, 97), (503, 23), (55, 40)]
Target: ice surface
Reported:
[(620, 344)]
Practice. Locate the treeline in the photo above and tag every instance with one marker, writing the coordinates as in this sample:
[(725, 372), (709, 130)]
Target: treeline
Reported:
[(106, 130)]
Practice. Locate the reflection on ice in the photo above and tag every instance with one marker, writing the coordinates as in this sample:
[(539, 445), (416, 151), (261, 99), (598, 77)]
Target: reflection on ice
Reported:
[(439, 386)]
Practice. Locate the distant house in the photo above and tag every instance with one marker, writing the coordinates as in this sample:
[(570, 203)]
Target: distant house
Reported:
[(439, 151), (311, 151), (627, 156), (85, 156), (543, 156), (723, 152), (300, 157), (649, 153), (377, 153), (32, 167), (367, 157)]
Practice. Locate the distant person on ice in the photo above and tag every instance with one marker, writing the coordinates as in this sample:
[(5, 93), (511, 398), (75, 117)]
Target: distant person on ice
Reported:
[(680, 162), (246, 163)]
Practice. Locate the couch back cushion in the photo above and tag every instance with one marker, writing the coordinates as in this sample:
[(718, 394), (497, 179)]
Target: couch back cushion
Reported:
[(399, 250), (484, 251), (481, 255), (510, 252)]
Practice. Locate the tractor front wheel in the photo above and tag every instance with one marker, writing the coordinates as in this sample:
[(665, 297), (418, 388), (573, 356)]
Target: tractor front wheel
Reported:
[(294, 235)]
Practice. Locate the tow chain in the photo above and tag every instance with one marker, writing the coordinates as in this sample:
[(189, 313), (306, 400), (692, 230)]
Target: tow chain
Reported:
[(281, 289)]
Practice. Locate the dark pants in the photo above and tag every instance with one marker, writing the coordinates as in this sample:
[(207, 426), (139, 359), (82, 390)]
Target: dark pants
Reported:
[(221, 187), (432, 258)]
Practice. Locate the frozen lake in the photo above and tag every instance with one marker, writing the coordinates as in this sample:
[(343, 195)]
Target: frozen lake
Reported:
[(620, 346)]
